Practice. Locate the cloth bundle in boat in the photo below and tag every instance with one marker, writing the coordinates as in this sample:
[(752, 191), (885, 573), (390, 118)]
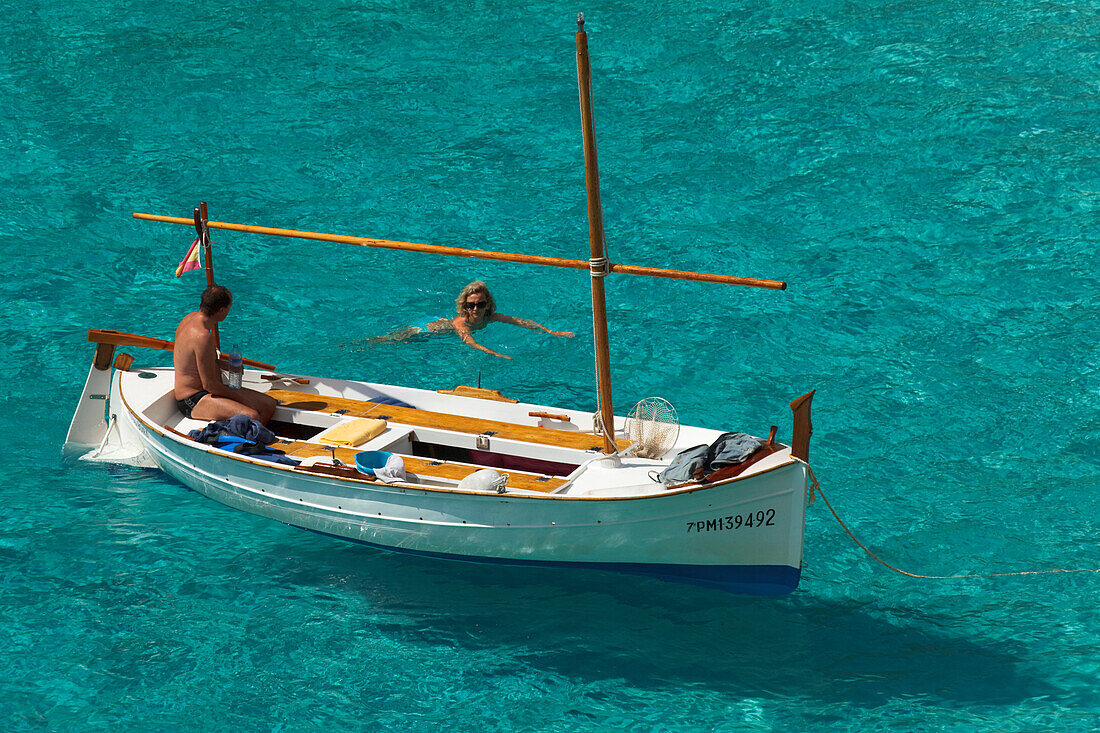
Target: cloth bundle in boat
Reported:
[(244, 447), (241, 426), (353, 433), (485, 480), (243, 435), (695, 463)]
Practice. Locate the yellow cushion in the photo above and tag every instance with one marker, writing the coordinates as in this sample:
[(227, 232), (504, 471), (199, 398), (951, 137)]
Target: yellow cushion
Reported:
[(356, 432)]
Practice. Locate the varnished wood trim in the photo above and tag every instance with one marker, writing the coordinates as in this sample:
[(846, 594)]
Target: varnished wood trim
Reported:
[(103, 355), (549, 416), (105, 337), (428, 467), (478, 393), (441, 420), (158, 430), (803, 427)]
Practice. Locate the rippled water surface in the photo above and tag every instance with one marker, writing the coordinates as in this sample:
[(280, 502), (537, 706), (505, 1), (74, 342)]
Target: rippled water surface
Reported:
[(924, 175)]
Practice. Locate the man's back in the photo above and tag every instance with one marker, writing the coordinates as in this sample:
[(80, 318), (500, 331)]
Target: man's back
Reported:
[(199, 391), (194, 343)]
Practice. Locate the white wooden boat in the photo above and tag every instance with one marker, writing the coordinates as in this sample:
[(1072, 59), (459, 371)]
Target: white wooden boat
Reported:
[(575, 494), (573, 506)]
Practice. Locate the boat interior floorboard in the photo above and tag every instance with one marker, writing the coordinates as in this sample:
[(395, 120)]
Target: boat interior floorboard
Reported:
[(422, 466), (440, 420)]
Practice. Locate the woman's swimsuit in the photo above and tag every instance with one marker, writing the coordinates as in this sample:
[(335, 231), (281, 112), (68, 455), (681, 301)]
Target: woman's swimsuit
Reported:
[(186, 405), (423, 325)]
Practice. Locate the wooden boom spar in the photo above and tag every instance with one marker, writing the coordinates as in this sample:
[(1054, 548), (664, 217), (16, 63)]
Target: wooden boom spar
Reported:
[(480, 254)]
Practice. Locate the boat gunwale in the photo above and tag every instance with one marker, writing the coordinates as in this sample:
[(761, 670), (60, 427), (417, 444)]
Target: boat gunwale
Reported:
[(188, 443)]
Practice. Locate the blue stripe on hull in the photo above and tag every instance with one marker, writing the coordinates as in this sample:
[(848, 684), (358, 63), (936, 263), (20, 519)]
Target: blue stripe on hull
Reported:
[(755, 580)]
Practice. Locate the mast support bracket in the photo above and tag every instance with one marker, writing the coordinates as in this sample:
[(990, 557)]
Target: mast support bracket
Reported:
[(599, 267)]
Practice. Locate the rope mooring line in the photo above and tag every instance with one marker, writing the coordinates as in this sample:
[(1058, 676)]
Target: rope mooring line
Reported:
[(815, 486)]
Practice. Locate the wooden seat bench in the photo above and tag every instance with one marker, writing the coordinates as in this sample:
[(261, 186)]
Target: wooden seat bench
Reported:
[(419, 466), (440, 420)]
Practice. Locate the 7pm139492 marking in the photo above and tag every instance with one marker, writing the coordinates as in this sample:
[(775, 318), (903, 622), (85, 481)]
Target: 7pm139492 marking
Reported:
[(759, 518)]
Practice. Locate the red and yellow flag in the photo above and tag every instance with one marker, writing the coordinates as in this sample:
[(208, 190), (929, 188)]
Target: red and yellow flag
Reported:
[(191, 261)]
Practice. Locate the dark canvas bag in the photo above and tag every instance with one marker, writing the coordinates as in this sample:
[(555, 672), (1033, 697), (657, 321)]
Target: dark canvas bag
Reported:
[(692, 464)]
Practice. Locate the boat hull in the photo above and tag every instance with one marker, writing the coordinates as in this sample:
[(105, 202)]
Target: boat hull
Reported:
[(744, 536)]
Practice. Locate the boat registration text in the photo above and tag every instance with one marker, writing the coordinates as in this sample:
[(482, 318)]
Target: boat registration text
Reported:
[(760, 518)]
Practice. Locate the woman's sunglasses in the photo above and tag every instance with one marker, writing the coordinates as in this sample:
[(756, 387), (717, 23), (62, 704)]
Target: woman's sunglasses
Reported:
[(473, 306)]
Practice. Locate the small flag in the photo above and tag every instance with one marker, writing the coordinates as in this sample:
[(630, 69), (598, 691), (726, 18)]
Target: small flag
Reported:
[(191, 261)]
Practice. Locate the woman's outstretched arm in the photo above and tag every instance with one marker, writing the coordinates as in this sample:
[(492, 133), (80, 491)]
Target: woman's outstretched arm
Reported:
[(468, 339), (528, 323)]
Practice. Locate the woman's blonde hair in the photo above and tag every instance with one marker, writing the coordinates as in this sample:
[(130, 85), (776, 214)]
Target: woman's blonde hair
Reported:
[(477, 286)]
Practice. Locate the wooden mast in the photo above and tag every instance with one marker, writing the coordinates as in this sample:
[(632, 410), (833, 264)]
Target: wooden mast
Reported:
[(202, 227), (598, 265)]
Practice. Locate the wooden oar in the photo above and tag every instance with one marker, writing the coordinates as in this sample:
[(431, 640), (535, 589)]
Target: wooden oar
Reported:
[(474, 253), (118, 338)]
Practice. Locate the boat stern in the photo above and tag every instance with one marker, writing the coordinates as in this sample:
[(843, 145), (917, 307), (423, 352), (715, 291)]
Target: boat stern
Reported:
[(97, 433), (90, 421)]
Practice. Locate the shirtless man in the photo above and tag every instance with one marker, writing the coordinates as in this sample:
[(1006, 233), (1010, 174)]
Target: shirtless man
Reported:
[(199, 390)]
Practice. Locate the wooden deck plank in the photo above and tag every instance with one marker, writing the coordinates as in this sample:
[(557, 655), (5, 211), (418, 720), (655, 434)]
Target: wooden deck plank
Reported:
[(441, 420), (425, 466)]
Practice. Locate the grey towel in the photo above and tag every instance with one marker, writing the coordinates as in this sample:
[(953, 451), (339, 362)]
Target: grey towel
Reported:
[(729, 449), (684, 465)]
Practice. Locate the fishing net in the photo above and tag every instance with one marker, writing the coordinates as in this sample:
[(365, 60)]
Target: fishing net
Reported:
[(653, 427)]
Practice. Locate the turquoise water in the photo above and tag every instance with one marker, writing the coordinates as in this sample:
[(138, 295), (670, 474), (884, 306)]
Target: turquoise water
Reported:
[(924, 175)]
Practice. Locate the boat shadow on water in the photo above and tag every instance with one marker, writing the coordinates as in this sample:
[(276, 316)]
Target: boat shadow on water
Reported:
[(593, 626)]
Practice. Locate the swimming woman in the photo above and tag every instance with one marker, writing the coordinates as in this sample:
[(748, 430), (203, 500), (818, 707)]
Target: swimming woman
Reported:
[(475, 309)]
